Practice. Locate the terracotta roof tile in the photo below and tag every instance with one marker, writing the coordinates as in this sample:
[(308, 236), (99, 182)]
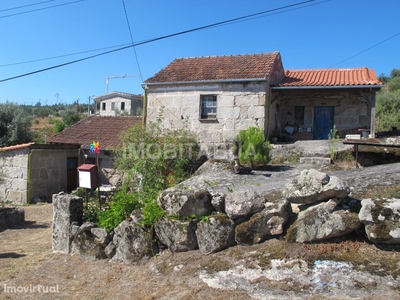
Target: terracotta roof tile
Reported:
[(16, 147), (105, 130), (330, 77), (217, 68)]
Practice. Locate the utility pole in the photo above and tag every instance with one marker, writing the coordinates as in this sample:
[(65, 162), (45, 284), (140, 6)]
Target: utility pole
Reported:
[(113, 77), (88, 107)]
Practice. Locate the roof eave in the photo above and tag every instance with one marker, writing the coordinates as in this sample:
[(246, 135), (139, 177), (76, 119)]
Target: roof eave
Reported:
[(204, 81), (326, 87)]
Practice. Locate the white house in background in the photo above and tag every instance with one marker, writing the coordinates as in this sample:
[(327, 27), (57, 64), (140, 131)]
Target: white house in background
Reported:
[(118, 103)]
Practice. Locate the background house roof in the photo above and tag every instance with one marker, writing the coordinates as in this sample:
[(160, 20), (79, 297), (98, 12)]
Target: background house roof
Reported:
[(330, 77), (118, 94), (16, 147), (217, 68), (105, 130)]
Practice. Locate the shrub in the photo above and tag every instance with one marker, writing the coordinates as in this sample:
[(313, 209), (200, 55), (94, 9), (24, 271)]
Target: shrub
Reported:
[(120, 208), (254, 149), (153, 160)]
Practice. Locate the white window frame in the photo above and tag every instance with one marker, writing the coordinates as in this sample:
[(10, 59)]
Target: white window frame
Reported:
[(208, 107)]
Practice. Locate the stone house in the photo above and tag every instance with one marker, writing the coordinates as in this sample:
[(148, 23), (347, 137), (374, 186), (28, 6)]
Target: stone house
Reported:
[(30, 172), (118, 103), (102, 129), (217, 96)]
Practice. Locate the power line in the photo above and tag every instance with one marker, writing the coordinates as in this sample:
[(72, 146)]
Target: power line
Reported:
[(43, 8), (366, 50), (130, 33), (63, 55), (121, 45), (159, 38), (27, 5)]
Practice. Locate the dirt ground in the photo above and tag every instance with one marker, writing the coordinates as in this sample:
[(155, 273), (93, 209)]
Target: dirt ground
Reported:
[(29, 269)]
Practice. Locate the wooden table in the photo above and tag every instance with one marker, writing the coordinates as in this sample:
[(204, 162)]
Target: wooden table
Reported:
[(376, 142)]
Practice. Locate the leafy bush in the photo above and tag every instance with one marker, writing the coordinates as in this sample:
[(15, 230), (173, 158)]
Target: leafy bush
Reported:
[(387, 110), (153, 160), (59, 126), (91, 213), (254, 149), (120, 208)]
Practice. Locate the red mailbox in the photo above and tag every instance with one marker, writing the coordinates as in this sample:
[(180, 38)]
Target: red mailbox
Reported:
[(88, 176)]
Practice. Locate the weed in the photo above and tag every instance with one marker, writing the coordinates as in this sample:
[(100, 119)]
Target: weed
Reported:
[(333, 143)]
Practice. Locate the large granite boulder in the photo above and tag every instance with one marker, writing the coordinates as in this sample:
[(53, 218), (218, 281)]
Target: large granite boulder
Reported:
[(178, 236), (185, 202), (314, 186), (264, 224), (89, 242), (322, 222), (243, 203), (381, 218), (132, 243), (215, 233)]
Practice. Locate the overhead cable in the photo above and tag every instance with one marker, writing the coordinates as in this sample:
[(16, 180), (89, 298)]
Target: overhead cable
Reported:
[(43, 8), (158, 39)]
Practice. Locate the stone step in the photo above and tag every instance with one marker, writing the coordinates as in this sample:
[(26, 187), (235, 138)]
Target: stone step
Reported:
[(315, 160)]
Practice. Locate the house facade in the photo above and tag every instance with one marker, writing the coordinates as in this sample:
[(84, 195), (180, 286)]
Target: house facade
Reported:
[(118, 103), (216, 97), (308, 103)]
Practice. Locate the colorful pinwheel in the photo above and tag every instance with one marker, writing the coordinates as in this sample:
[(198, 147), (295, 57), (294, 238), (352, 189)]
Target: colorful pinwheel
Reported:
[(95, 147)]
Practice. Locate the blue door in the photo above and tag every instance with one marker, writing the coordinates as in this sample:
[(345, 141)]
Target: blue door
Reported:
[(323, 121)]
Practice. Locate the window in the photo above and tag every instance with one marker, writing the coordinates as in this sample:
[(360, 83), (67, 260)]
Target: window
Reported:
[(112, 105), (299, 115), (122, 105), (103, 106), (208, 107)]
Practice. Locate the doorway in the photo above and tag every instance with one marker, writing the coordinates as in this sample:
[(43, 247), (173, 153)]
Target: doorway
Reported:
[(72, 173), (323, 121)]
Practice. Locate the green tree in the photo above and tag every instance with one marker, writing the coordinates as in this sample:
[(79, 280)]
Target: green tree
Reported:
[(14, 125), (388, 110), (70, 117), (388, 103), (395, 73)]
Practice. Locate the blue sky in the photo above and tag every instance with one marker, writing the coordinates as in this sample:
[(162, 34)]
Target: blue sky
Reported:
[(317, 34)]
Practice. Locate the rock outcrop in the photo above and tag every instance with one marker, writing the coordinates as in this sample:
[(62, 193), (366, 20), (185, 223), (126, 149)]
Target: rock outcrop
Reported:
[(313, 186), (185, 202), (243, 203), (381, 218), (212, 220), (321, 222), (89, 242), (11, 216), (267, 223), (176, 235), (132, 243), (215, 233)]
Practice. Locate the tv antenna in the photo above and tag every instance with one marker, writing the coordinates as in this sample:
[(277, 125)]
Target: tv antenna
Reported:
[(114, 77)]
